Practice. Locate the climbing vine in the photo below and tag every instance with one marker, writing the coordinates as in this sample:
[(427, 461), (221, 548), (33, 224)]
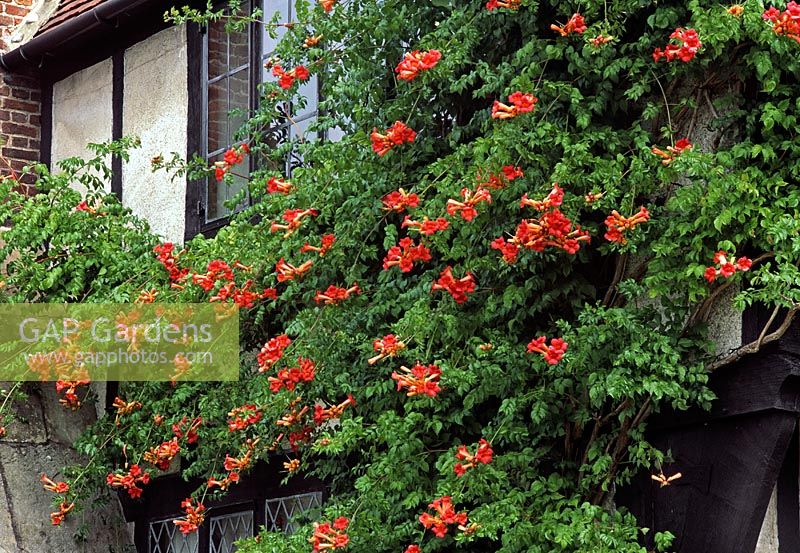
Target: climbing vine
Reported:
[(461, 314)]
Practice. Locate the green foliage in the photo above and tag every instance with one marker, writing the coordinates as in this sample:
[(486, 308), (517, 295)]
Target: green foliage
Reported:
[(634, 314)]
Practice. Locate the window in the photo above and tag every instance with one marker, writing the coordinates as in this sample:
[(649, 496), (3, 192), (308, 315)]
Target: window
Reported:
[(286, 513), (226, 529), (229, 523), (228, 101), (164, 537), (232, 66)]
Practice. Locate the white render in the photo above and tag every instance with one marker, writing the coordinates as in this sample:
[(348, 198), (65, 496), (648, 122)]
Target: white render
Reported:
[(156, 110), (82, 113), (768, 537)]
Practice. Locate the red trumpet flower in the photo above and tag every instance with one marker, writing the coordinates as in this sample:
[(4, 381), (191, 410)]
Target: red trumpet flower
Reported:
[(576, 25), (618, 225), (471, 198), (395, 135), (552, 353), (456, 288), (419, 379), (520, 103), (413, 63), (405, 254), (335, 295)]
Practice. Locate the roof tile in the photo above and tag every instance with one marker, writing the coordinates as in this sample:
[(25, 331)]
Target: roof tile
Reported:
[(68, 9)]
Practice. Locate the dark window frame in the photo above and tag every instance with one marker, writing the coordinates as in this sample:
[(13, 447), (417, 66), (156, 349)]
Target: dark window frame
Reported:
[(196, 190)]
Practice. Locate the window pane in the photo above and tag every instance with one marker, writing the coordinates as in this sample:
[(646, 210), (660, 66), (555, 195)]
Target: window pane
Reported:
[(308, 90), (239, 45), (287, 513), (217, 193), (270, 7), (164, 537), (217, 49), (218, 136), (226, 529), (239, 97)]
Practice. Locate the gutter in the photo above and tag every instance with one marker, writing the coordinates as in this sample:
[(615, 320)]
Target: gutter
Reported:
[(35, 50)]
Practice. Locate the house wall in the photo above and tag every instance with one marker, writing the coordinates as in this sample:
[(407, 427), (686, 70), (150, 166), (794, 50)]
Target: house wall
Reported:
[(39, 441), (82, 112), (155, 109)]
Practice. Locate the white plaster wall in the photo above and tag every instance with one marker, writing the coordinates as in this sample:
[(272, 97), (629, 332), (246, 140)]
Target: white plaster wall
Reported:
[(768, 537), (155, 109), (82, 112)]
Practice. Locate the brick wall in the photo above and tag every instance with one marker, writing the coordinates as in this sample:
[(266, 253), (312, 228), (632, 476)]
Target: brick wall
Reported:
[(11, 14), (20, 122), (20, 102)]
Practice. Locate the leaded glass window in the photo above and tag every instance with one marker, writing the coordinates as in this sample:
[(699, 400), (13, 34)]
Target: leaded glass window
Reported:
[(164, 537), (288, 513), (224, 530)]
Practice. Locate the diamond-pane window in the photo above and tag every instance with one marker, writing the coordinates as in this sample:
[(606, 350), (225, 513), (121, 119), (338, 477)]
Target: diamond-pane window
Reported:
[(166, 538), (226, 529), (287, 513)]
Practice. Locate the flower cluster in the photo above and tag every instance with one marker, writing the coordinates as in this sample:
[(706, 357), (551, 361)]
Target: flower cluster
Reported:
[(617, 225), (70, 390), (467, 460), (194, 516), (129, 480), (413, 63), (286, 79), (405, 254), (685, 45), (322, 414), (335, 295), (388, 346), (185, 428), (327, 5), (552, 353), (232, 157), (399, 200), (726, 266), (286, 271), (290, 377), (272, 352), (327, 536), (444, 517), (786, 22), (326, 244), (395, 135), (125, 408), (672, 152), (554, 199), (243, 462), (507, 4), (243, 296), (216, 270), (55, 487), (498, 181), (161, 455), (576, 25), (551, 229), (293, 218), (63, 509), (166, 256), (279, 186), (419, 379), (466, 208), (426, 226), (458, 288), (520, 103), (239, 418), (599, 40)]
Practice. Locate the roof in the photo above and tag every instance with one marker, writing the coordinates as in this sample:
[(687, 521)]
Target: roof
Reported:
[(68, 9)]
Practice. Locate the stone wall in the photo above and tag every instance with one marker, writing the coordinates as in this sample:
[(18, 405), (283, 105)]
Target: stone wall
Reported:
[(40, 442)]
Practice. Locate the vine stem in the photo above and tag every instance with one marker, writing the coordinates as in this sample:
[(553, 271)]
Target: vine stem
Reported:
[(762, 340)]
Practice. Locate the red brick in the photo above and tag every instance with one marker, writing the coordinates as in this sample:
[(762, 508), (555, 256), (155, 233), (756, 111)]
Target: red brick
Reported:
[(19, 117), (16, 10), (13, 129), (34, 120), (19, 105), (34, 145), (15, 153)]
